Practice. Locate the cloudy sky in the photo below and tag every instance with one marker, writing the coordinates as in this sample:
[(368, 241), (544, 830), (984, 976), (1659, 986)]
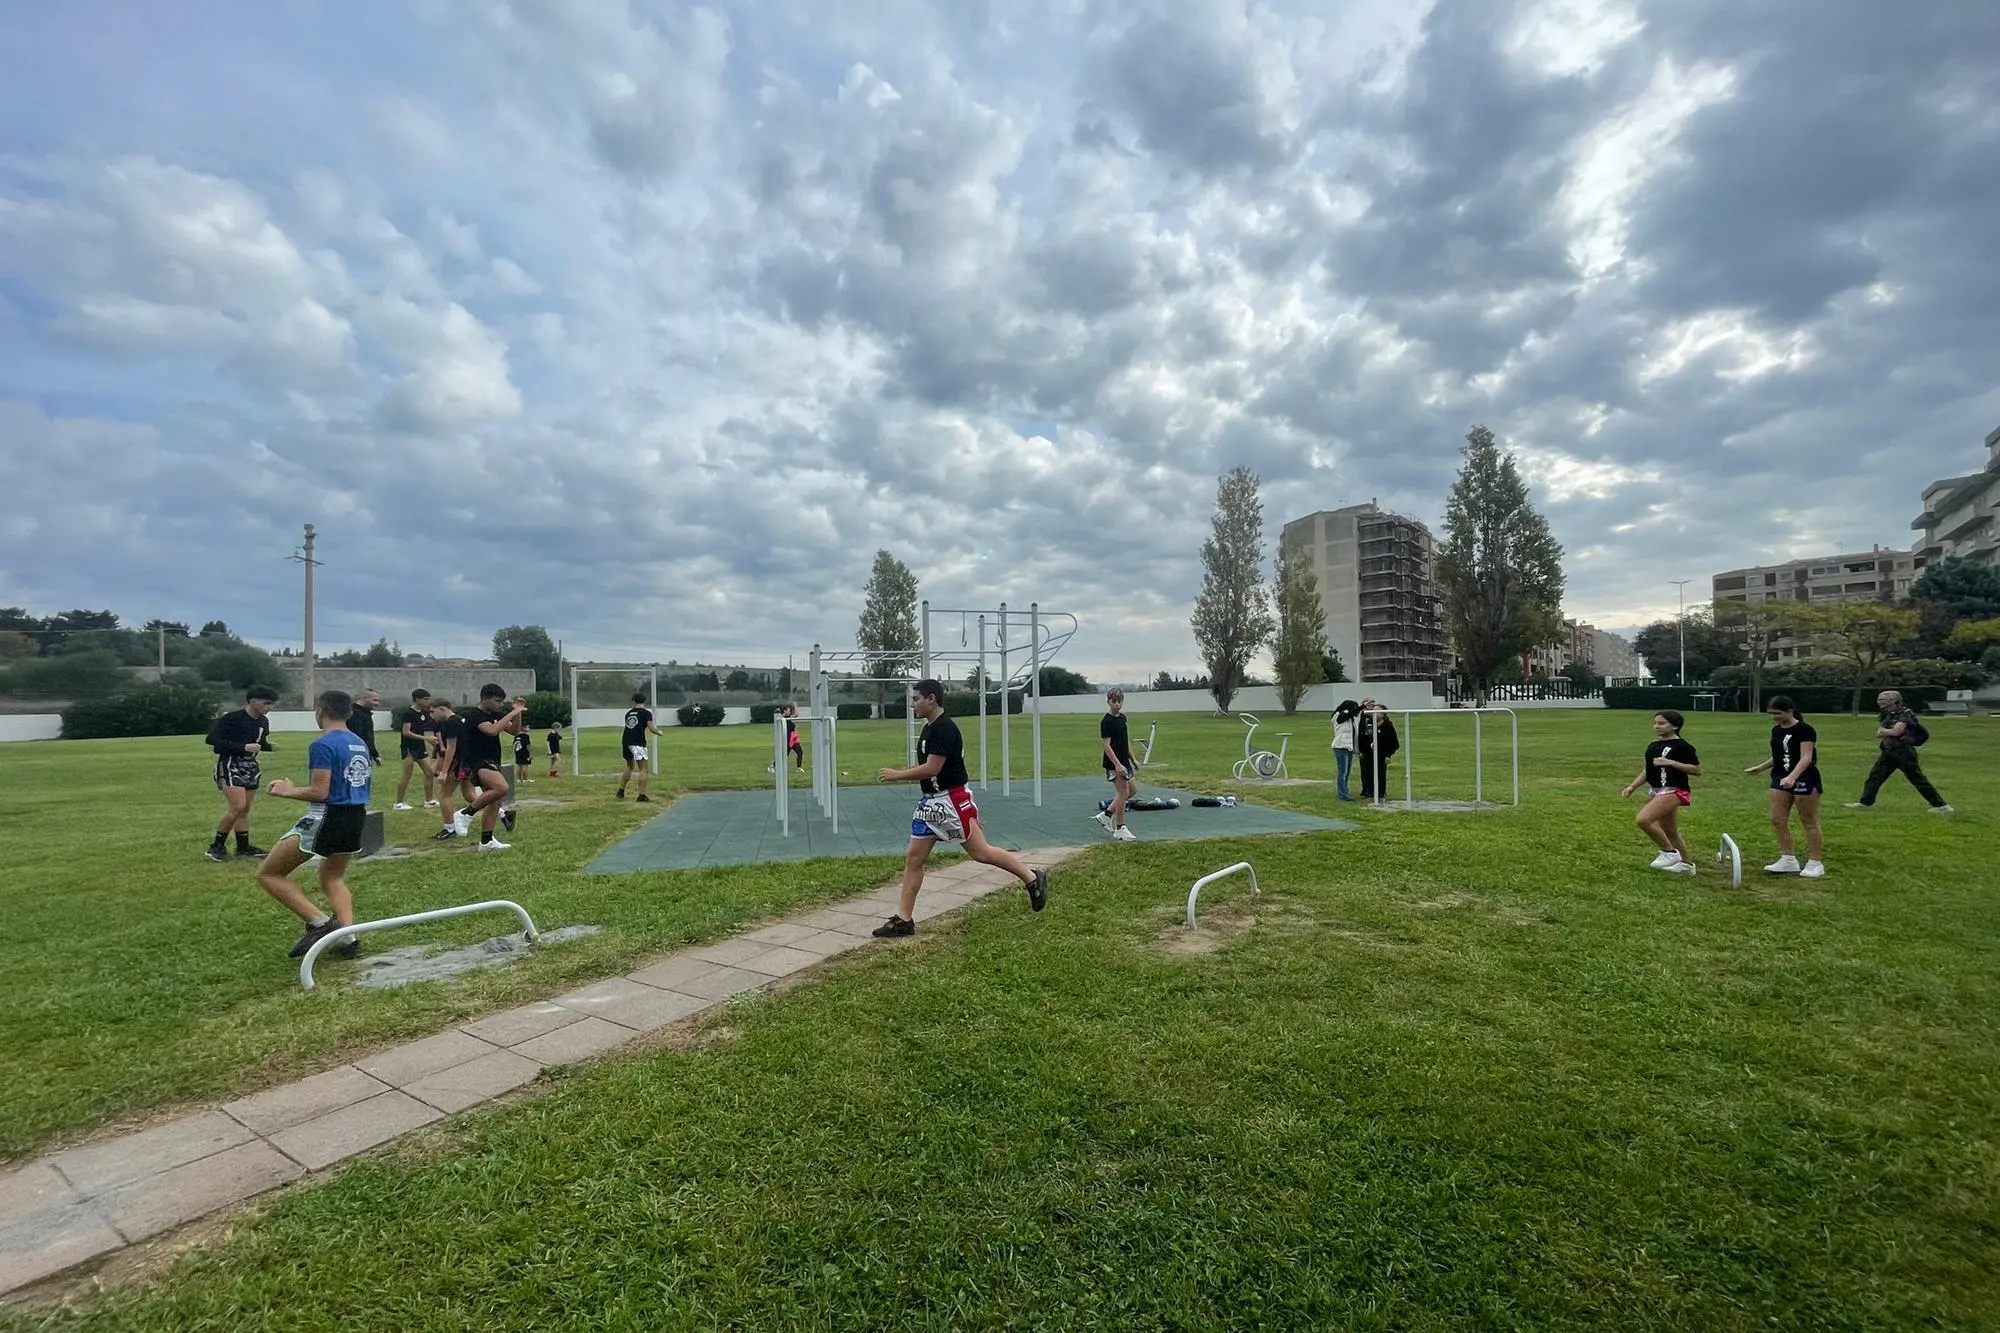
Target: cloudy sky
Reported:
[(652, 321)]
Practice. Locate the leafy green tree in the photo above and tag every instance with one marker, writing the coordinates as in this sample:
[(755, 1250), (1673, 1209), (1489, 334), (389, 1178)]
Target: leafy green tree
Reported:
[(215, 627), (96, 674), (1057, 680), (15, 644), (888, 631), (529, 648), (81, 620), (1301, 651), (244, 666), (175, 629), (19, 618), (739, 679), (1331, 668), (382, 653), (1500, 567), (1863, 635), (1708, 648), (1232, 615)]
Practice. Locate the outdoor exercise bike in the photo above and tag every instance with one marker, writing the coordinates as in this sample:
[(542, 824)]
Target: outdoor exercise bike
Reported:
[(1260, 763)]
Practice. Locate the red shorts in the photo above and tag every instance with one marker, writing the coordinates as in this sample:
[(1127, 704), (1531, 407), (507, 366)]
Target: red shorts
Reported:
[(1678, 793)]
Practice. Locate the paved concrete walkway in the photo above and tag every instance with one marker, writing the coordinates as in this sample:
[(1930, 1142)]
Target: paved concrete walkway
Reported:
[(88, 1201)]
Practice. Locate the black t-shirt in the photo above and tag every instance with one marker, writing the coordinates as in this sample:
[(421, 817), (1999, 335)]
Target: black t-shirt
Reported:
[(941, 737), (524, 745), (1787, 744), (555, 742), (479, 747), (233, 731), (1112, 728), (637, 719), (451, 734), (419, 723), (1677, 750)]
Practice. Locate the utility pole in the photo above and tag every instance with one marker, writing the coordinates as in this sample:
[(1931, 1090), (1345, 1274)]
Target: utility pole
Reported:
[(1681, 624), (163, 648), (305, 557)]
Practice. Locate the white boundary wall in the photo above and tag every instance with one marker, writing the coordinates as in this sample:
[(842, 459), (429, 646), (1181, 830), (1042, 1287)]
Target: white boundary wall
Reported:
[(30, 726)]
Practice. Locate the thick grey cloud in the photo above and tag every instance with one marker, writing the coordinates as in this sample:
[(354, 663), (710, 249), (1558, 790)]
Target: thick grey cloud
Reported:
[(651, 322)]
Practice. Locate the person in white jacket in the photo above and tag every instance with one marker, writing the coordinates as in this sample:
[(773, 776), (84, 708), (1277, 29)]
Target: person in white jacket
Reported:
[(1343, 743)]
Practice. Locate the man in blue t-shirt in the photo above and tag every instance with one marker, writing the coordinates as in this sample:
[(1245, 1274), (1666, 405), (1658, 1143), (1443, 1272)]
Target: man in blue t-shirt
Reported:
[(336, 807)]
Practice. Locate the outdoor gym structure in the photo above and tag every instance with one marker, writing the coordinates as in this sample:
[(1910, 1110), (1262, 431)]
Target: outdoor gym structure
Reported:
[(576, 711), (1478, 750)]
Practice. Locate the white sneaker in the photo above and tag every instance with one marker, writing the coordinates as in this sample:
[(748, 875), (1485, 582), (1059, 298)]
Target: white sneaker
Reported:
[(1666, 860), (1784, 865), (496, 846), (1103, 818), (1813, 870), (461, 824), (1123, 833), (1683, 868), (400, 805), (430, 805), (1943, 810), (1859, 805)]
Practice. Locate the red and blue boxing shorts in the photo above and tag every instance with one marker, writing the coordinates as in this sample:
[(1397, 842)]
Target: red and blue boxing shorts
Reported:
[(944, 816)]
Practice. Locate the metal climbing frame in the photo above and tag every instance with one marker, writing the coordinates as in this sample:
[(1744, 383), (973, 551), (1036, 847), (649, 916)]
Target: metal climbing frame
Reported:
[(1195, 892), (1478, 750), (826, 759), (576, 713), (334, 937)]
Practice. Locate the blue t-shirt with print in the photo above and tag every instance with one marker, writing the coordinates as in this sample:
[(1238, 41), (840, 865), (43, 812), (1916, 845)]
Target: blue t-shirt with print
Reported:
[(345, 755)]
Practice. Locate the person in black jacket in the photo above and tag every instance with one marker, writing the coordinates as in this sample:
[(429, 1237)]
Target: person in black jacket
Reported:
[(237, 739), (1375, 744), (362, 721)]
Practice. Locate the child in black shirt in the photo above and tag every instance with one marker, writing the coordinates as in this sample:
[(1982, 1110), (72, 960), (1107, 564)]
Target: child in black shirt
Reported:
[(1670, 762), (1795, 785)]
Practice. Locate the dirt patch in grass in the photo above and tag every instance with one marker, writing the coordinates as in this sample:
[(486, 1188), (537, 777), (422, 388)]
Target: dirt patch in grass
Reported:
[(1218, 927)]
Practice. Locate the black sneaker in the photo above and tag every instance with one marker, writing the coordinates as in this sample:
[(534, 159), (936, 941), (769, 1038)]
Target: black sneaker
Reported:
[(253, 853), (643, 799), (445, 834), (312, 936), (895, 928), (1038, 890), (507, 819), (620, 793), (217, 852), (348, 948)]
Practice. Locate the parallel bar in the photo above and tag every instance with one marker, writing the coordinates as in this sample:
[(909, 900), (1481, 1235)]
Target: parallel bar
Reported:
[(345, 933), (1195, 892), (1035, 684)]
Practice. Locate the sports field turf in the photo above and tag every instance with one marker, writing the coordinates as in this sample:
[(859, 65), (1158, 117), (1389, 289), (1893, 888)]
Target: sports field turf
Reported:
[(1452, 1071)]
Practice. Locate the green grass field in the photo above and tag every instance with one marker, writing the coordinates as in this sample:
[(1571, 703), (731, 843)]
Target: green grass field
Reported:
[(1452, 1071)]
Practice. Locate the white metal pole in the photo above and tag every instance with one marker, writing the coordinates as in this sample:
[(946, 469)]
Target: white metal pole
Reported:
[(653, 742), (1035, 686), (1681, 585), (925, 660), (1478, 766), (575, 728), (819, 705), (1409, 768), (981, 678), (1006, 716), (780, 761)]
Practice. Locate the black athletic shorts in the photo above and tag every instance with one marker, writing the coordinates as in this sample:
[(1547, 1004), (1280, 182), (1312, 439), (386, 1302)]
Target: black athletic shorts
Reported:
[(1807, 785), (238, 770), (416, 750), (330, 830)]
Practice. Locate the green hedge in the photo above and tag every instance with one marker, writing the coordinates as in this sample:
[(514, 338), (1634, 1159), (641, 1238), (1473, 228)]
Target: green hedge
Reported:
[(700, 715), (157, 710), (546, 707), (1736, 698), (854, 712), (964, 705)]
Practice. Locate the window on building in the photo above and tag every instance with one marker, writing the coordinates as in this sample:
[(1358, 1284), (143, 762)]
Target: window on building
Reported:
[(1729, 584)]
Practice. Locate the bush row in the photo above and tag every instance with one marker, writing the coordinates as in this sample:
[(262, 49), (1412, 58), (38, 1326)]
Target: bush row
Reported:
[(700, 715), (153, 710)]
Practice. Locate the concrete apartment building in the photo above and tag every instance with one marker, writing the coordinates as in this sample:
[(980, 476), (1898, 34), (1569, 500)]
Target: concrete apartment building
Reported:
[(1962, 514), (1613, 657), (1582, 643), (1383, 613), (1880, 575)]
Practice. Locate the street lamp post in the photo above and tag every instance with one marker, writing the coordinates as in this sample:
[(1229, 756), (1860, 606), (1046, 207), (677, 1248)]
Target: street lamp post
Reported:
[(1681, 624)]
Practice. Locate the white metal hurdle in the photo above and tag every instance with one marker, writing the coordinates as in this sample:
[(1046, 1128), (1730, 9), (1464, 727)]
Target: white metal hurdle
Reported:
[(1478, 750)]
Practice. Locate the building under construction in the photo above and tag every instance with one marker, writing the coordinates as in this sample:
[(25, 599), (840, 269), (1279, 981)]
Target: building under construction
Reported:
[(1376, 583)]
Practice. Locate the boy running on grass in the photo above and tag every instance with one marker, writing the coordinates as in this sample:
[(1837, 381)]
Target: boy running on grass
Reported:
[(482, 764), (453, 780), (416, 748), (555, 749), (945, 810), (237, 739), (1795, 785), (1115, 742), (1670, 762), (336, 807), (632, 741)]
